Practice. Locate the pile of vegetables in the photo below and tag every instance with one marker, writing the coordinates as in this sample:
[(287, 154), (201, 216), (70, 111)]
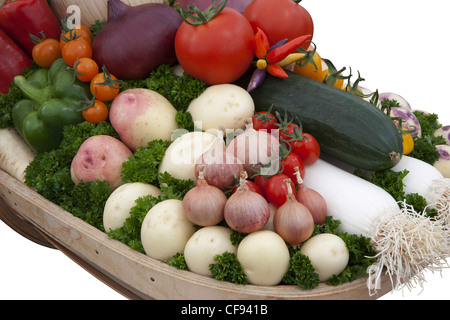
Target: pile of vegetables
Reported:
[(236, 159)]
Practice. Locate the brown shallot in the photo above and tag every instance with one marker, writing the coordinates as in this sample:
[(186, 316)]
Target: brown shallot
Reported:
[(258, 150), (221, 167), (311, 199), (246, 211), (204, 204), (293, 221)]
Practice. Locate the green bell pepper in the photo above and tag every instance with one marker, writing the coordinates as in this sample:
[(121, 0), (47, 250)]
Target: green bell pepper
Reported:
[(53, 99)]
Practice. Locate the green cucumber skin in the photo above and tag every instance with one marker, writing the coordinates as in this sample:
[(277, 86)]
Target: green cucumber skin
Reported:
[(347, 127)]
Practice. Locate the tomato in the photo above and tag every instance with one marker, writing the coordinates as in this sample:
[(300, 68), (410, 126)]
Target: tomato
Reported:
[(408, 143), (288, 165), (308, 148), (46, 52), (86, 69), (82, 32), (280, 19), (252, 187), (309, 70), (277, 190), (264, 120), (76, 49), (217, 52), (105, 86), (97, 113), (261, 182)]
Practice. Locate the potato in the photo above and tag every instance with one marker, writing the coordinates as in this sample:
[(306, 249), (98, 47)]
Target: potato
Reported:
[(142, 115), (179, 159), (443, 163), (100, 158), (264, 257), (444, 132), (328, 254), (118, 206), (165, 230), (225, 105), (204, 245)]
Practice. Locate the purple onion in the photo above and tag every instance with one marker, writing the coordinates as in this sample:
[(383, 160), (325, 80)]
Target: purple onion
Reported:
[(136, 39)]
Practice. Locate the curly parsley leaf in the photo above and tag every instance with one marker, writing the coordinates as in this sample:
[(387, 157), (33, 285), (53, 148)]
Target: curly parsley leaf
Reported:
[(143, 165), (228, 268)]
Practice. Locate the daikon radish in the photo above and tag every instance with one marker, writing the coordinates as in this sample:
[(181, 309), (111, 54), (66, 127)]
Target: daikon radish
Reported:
[(406, 242), (15, 154), (428, 182)]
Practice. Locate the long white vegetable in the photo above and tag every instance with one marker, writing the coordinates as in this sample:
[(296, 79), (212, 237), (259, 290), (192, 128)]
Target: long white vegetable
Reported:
[(406, 242), (15, 154), (428, 182)]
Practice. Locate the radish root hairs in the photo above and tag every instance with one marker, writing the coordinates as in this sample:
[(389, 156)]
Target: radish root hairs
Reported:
[(407, 243), (438, 198)]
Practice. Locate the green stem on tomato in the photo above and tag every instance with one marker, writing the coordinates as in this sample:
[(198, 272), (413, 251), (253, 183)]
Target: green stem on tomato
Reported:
[(194, 16)]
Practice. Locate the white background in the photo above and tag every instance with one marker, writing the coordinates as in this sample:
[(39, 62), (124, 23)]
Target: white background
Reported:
[(399, 46)]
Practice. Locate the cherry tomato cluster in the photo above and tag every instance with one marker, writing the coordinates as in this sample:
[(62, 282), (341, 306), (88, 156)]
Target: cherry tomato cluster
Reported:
[(297, 149), (75, 47)]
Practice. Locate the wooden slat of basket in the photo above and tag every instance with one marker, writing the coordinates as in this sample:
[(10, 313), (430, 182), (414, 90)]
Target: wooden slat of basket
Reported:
[(139, 276)]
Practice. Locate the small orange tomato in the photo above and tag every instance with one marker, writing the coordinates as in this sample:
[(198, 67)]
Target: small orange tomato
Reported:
[(81, 32), (86, 69), (97, 113), (46, 52), (76, 49), (105, 86), (309, 69), (408, 143)]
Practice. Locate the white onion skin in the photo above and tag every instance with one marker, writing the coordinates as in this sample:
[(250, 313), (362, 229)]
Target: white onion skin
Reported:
[(204, 205), (246, 211)]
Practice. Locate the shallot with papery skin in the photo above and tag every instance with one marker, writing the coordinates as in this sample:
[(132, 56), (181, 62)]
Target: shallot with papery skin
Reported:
[(246, 211), (220, 167), (311, 199), (258, 150), (293, 221), (204, 204)]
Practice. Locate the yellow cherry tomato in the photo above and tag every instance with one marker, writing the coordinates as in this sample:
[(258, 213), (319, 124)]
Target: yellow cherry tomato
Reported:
[(408, 143)]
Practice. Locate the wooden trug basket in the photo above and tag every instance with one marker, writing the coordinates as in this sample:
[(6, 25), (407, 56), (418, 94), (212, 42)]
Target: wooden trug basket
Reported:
[(131, 273)]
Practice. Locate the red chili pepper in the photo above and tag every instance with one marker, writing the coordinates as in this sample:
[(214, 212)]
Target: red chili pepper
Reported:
[(276, 71), (261, 44), (278, 54), (12, 61), (20, 18)]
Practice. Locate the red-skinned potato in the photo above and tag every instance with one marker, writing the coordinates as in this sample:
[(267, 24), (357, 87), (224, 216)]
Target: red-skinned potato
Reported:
[(100, 158), (142, 115)]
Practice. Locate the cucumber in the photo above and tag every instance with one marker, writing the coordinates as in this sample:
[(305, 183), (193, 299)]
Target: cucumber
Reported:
[(347, 127)]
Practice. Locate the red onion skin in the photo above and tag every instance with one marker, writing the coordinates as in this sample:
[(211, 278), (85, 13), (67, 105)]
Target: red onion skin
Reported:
[(204, 205), (239, 5), (293, 222), (136, 40), (246, 211), (314, 202), (220, 167)]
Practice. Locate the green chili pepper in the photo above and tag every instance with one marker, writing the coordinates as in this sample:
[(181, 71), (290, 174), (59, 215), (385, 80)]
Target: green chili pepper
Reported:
[(52, 100)]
